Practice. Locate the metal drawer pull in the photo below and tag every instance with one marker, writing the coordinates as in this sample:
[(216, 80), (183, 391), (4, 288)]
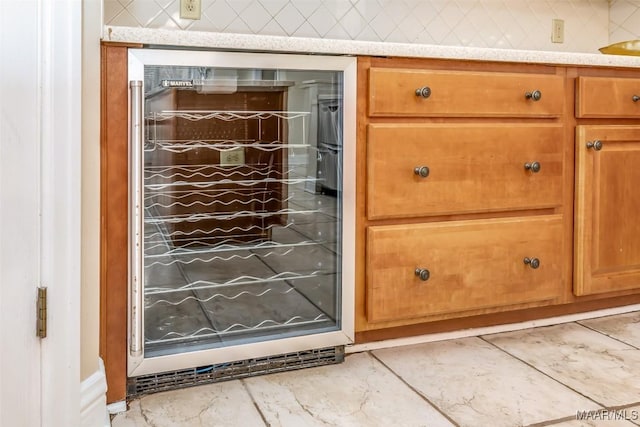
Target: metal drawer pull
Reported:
[(422, 171), (423, 274), (596, 145), (534, 96), (635, 98), (532, 262), (424, 91), (533, 167)]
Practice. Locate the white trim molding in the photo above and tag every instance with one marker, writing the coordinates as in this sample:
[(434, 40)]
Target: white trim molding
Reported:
[(93, 399), (487, 330), (117, 407), (60, 67)]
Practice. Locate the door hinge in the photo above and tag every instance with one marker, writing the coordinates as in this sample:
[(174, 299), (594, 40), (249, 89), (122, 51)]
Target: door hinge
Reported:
[(41, 314)]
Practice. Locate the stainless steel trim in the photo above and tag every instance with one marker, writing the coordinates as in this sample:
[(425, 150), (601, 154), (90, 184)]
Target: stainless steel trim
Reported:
[(173, 362), (136, 221)]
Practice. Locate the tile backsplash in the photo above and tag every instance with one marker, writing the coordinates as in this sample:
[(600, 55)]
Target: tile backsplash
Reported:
[(624, 20), (509, 24)]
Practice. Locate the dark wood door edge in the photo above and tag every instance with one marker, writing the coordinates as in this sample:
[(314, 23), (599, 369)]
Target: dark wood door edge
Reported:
[(113, 218)]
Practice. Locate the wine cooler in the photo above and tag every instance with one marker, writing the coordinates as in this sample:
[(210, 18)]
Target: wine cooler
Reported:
[(241, 235)]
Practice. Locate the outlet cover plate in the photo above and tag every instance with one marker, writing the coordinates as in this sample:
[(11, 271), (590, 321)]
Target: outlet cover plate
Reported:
[(190, 9), (557, 31)]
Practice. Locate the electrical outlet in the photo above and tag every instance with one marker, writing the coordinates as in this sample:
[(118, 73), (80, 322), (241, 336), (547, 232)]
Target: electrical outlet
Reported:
[(557, 31), (189, 9)]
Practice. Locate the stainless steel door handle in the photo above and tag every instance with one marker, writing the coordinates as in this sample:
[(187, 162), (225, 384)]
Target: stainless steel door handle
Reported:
[(136, 218)]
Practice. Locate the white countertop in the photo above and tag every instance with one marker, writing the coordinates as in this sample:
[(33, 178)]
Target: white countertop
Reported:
[(261, 43)]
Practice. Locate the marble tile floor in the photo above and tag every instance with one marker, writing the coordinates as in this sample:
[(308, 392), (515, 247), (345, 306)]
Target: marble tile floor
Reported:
[(546, 376)]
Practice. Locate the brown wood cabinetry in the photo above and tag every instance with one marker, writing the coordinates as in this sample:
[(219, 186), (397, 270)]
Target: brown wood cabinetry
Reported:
[(467, 168), (446, 93), (416, 270), (607, 97), (607, 200), (607, 253), (435, 169), (607, 226), (466, 174)]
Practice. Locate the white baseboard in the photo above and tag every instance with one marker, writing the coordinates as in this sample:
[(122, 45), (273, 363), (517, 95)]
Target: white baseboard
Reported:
[(474, 332), (117, 407), (93, 399)]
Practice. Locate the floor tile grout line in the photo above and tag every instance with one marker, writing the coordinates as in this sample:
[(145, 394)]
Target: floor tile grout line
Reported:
[(552, 422), (144, 415), (607, 335), (415, 390), (625, 406), (255, 404), (543, 373)]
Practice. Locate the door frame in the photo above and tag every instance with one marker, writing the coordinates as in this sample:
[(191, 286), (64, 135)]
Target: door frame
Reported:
[(60, 65), (52, 124), (43, 39), (20, 202)]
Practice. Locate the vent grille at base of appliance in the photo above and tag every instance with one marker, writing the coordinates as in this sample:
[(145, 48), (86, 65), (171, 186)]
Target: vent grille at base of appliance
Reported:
[(172, 380)]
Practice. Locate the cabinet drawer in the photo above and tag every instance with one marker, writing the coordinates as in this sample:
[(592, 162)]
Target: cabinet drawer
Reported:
[(471, 168), (392, 92), (607, 97), (472, 265)]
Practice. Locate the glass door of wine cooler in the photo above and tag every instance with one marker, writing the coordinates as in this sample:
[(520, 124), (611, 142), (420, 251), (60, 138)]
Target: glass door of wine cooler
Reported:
[(240, 245)]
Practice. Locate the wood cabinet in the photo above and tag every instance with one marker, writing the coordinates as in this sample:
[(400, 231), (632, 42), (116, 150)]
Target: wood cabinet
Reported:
[(434, 169), (607, 216), (607, 97), (467, 168), (447, 93), (607, 150), (422, 269), (465, 183)]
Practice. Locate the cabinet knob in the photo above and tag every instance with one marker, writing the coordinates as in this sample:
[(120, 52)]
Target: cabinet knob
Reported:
[(423, 274), (534, 96), (532, 262), (596, 145), (635, 98), (533, 167), (421, 171), (424, 92)]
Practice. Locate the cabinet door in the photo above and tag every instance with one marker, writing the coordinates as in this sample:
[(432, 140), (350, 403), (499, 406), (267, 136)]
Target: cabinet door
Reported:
[(607, 226), (416, 270)]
